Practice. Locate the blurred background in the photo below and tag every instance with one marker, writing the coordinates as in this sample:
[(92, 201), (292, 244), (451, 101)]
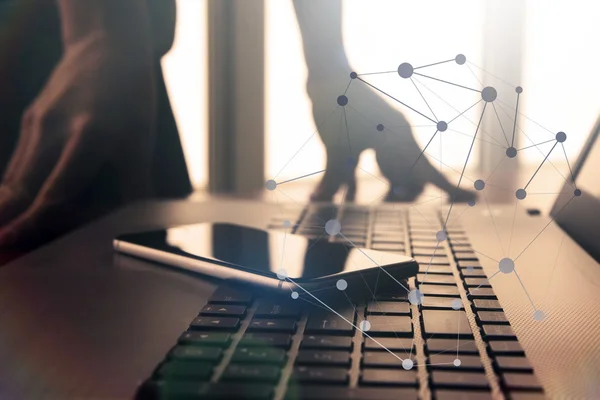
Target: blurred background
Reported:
[(547, 48)]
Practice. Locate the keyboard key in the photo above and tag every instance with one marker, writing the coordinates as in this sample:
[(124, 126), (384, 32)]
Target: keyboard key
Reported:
[(246, 391), (436, 279), (446, 361), (435, 269), (421, 245), (315, 357), (383, 325), (512, 347), (215, 323), (487, 305), (388, 377), (219, 339), (271, 309), (472, 272), (266, 355), (449, 346), (439, 290), (388, 308), (326, 342), (392, 296), (272, 325), (459, 380), (225, 295), (217, 310), (492, 317), (393, 344), (240, 372), (482, 292), (382, 359), (435, 302), (521, 382), (468, 263), (527, 396), (428, 260), (330, 323), (195, 353), (446, 323), (382, 246), (477, 282), (344, 393), (462, 395), (281, 340), (319, 375), (498, 332), (517, 364), (197, 371), (173, 389)]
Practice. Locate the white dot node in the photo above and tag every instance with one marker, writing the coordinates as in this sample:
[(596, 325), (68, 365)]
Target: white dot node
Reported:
[(415, 296), (456, 304), (271, 184), (353, 75), (405, 70), (577, 192), (479, 184), (407, 364), (456, 362), (489, 94), (441, 236), (521, 194), (295, 295), (561, 137), (506, 265), (341, 284), (511, 152), (333, 227), (470, 269), (442, 126), (460, 59), (519, 89), (287, 223), (364, 325), (282, 274), (342, 100), (471, 202), (380, 127), (539, 315)]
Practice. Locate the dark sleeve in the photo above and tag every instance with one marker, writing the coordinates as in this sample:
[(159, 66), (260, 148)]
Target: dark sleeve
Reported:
[(163, 17)]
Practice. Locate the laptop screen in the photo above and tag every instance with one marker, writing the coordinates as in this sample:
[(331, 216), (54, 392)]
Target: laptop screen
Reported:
[(579, 216)]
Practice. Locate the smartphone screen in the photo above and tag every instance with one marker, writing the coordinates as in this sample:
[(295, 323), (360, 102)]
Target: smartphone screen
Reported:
[(264, 252)]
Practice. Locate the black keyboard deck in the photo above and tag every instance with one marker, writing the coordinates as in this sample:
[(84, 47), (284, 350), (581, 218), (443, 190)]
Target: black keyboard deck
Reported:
[(243, 345)]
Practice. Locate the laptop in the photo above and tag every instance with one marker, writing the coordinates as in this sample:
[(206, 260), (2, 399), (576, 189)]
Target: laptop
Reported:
[(487, 322)]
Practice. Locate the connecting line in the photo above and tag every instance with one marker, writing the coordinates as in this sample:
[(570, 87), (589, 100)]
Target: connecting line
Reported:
[(512, 143), (487, 280), (423, 97), (549, 222), (501, 127), (342, 317), (464, 112), (466, 162), (347, 131), (423, 151), (535, 145), (458, 332), (377, 73), (527, 118), (525, 290), (374, 262), (393, 98), (304, 144), (475, 251), (430, 65), (450, 83), (300, 177), (348, 87), (538, 168), (569, 164)]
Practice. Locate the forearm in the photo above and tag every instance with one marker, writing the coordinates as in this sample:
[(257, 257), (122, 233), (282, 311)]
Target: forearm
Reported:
[(126, 23), (321, 28)]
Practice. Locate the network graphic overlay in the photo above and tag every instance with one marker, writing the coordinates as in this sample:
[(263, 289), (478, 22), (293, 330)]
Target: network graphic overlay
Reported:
[(490, 103)]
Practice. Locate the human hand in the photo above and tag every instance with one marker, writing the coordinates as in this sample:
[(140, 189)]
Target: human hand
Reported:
[(362, 126), (96, 110)]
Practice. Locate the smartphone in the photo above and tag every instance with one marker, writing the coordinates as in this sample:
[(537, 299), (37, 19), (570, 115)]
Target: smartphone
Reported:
[(271, 259)]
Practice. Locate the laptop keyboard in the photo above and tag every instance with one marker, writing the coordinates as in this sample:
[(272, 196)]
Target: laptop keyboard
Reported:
[(248, 345)]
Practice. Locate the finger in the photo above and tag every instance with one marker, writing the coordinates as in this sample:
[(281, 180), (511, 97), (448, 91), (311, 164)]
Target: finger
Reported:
[(327, 187)]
